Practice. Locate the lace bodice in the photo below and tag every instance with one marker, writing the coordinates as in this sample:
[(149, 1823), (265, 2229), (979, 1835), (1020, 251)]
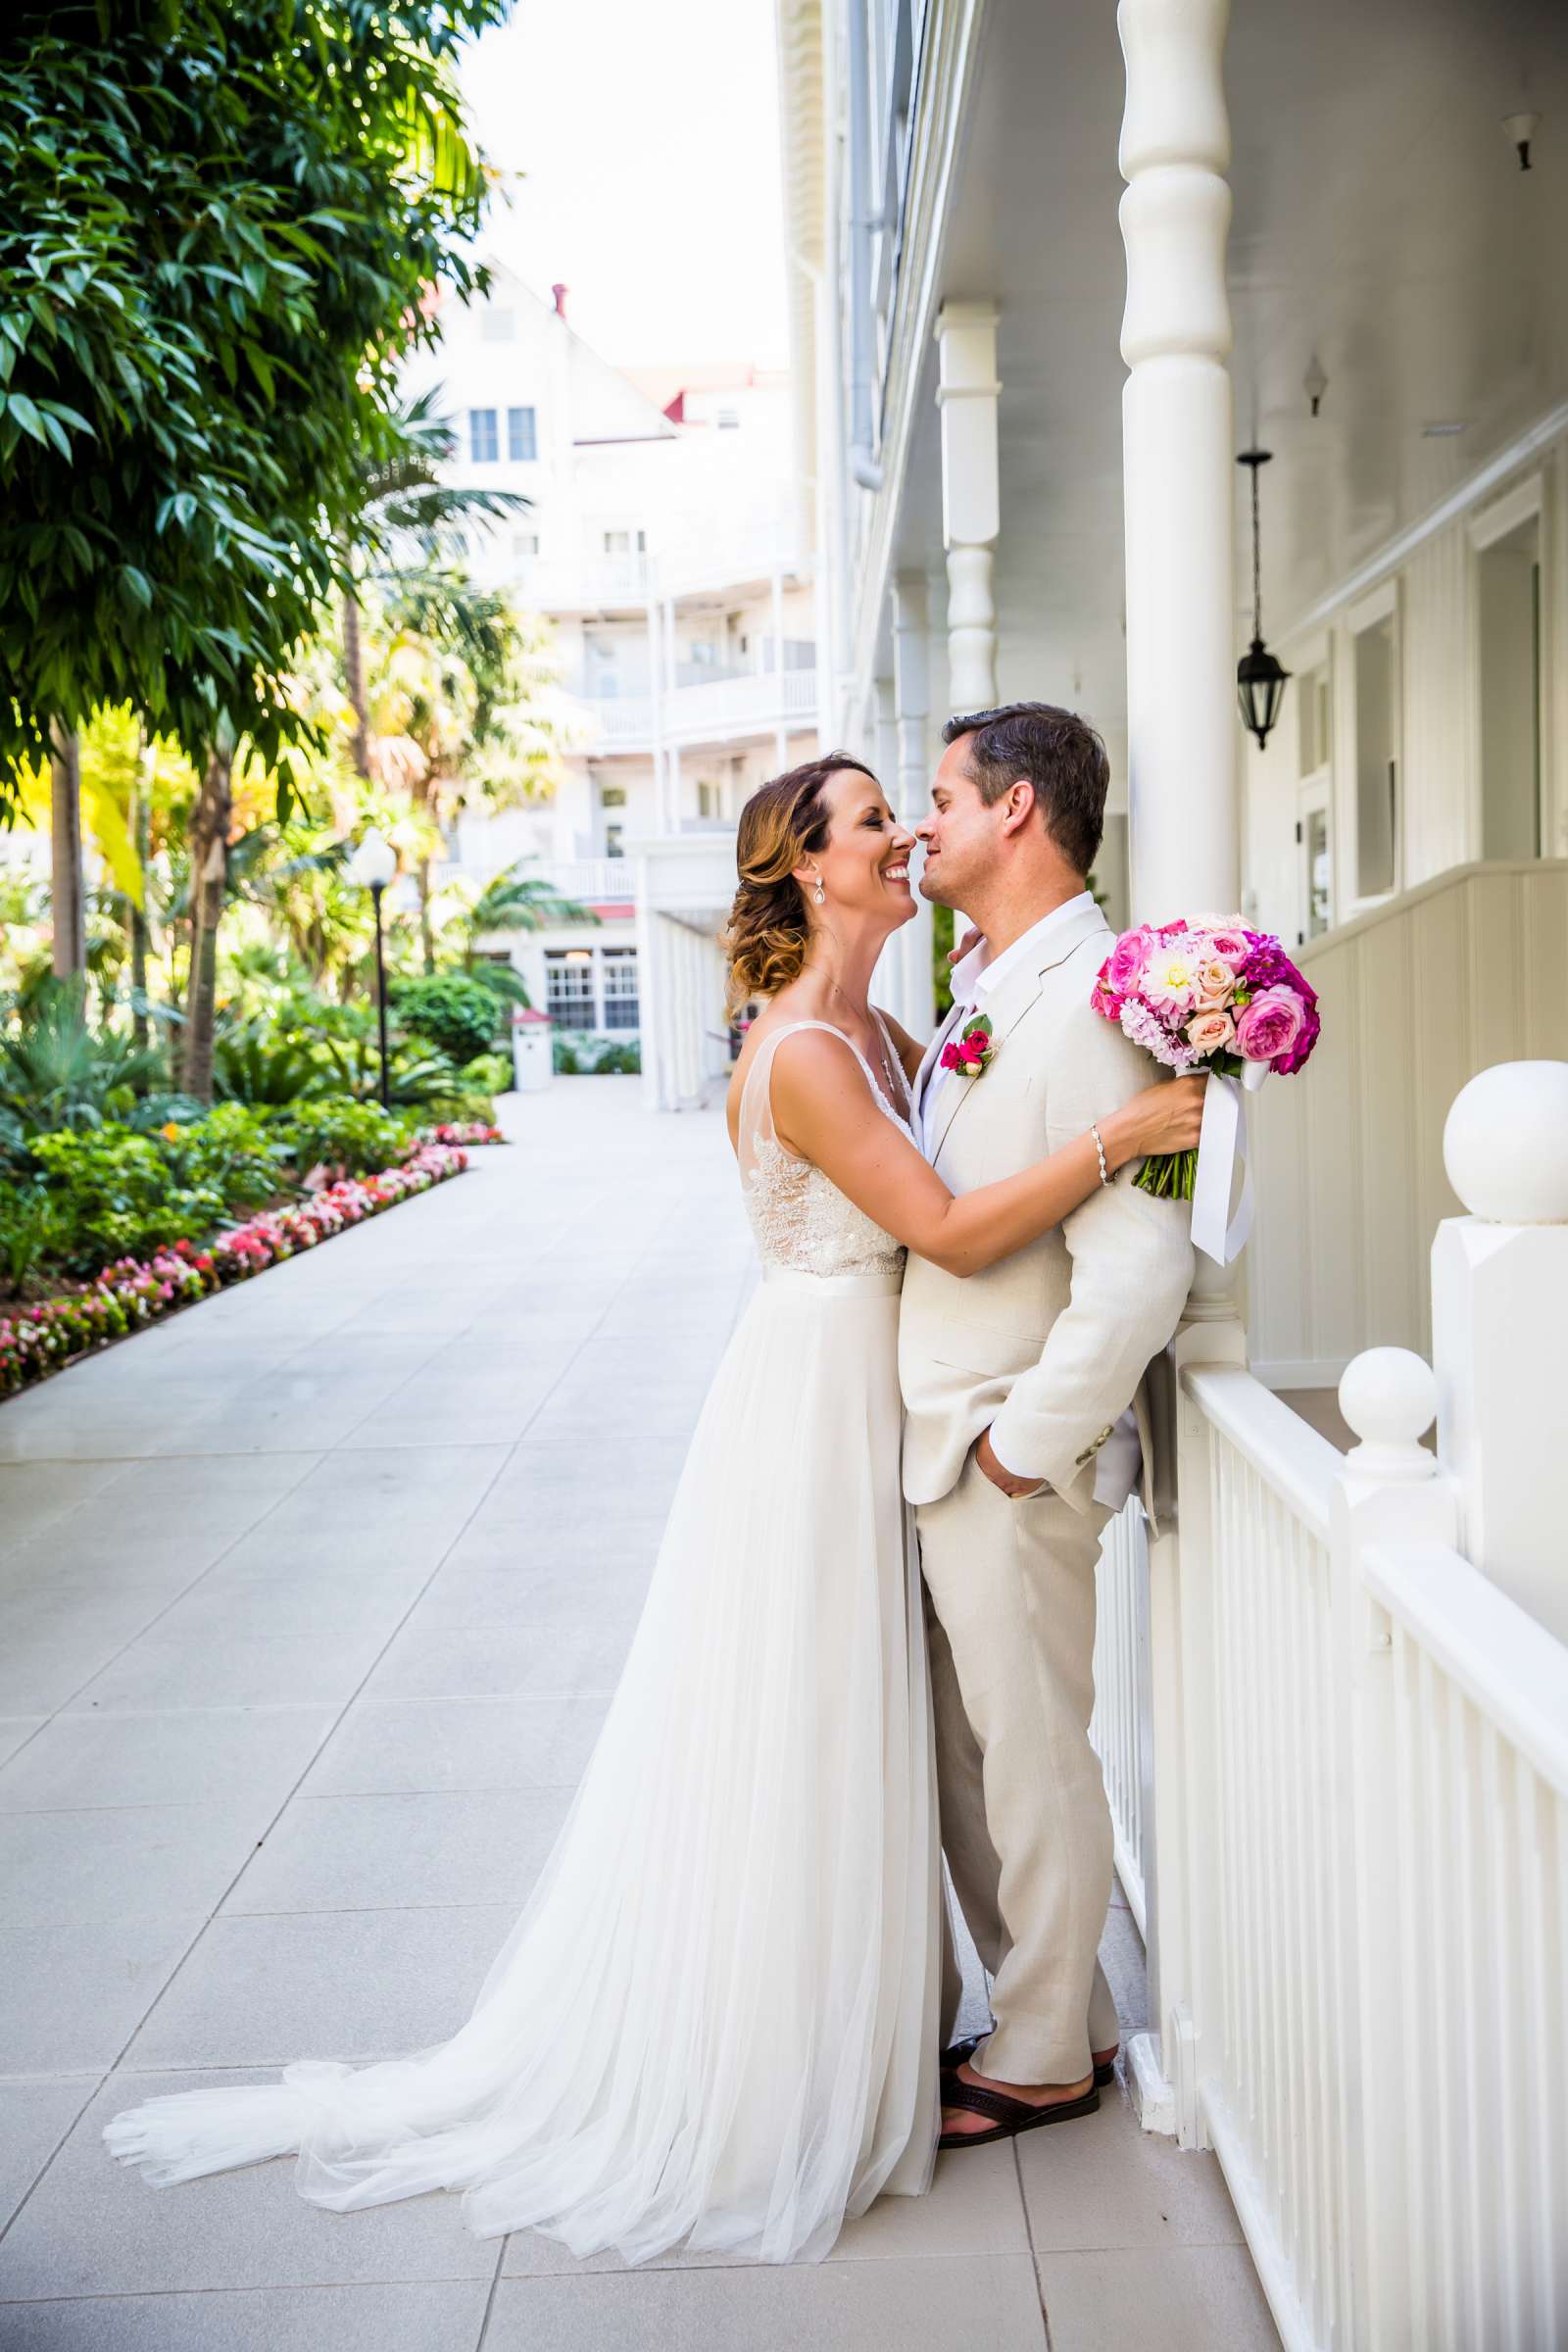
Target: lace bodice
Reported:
[(798, 1214)]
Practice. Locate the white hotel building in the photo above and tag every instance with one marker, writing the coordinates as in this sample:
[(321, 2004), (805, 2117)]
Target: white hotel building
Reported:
[(1050, 285), (661, 541)]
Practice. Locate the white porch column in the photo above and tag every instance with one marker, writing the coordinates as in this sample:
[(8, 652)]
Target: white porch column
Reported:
[(1178, 464), (912, 705), (966, 395), (890, 982), (1178, 461)]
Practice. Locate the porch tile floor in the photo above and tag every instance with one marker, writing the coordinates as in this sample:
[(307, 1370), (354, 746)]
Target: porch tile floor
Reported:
[(309, 1604)]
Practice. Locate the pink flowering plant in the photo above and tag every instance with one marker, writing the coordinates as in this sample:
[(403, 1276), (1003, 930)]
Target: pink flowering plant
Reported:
[(38, 1339), (972, 1050), (467, 1132), (1207, 995)]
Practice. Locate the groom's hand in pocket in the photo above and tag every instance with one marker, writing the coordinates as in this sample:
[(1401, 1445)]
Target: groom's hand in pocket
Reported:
[(985, 1455)]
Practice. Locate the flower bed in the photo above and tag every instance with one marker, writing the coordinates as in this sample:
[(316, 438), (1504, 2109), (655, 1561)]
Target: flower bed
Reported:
[(132, 1291), (466, 1133)]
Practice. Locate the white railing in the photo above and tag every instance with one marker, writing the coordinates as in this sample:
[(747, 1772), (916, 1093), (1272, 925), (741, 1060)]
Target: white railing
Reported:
[(1357, 1838), (587, 879), (737, 705), (718, 708), (1118, 1727)]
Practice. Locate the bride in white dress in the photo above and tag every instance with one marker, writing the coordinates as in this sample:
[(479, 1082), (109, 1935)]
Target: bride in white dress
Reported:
[(715, 2022)]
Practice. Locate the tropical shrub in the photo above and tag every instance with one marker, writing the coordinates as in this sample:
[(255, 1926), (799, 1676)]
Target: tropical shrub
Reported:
[(488, 1074), (33, 1228), (230, 1150), (255, 1062), (446, 1108), (594, 1057), (116, 1191), (459, 1016), (337, 1132), (56, 1071), (352, 1058)]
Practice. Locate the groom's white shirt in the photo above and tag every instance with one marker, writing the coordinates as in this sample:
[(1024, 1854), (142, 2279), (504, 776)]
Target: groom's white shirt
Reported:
[(1120, 1463)]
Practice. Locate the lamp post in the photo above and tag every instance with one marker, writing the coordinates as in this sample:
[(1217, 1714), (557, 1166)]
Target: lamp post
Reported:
[(372, 866)]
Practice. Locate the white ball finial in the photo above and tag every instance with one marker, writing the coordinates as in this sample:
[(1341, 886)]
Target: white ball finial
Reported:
[(1389, 1398), (1505, 1145)]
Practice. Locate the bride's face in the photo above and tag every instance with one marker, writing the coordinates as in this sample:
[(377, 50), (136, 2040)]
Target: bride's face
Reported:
[(866, 864)]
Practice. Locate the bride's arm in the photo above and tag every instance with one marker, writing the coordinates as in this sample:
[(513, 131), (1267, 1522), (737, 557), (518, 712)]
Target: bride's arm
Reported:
[(823, 1110)]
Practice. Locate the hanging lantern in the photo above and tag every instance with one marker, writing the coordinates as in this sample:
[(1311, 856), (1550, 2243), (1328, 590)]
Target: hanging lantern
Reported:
[(1259, 676)]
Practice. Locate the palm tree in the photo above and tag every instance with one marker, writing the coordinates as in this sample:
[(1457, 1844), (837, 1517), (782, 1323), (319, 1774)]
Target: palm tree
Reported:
[(403, 496), (513, 901)]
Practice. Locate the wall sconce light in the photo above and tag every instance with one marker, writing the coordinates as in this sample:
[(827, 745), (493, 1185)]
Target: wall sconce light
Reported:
[(1519, 129), (1259, 676), (1314, 383)]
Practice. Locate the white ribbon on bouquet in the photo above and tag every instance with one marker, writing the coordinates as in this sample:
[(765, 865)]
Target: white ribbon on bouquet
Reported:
[(1221, 1144)]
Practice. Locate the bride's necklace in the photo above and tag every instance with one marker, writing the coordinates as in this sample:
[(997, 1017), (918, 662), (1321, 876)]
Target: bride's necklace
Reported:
[(893, 1091), (893, 1088)]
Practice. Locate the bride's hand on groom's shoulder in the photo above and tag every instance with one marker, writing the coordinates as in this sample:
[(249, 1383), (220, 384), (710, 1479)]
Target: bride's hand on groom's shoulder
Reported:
[(962, 948)]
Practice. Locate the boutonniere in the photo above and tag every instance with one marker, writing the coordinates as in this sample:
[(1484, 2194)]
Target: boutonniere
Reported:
[(973, 1050)]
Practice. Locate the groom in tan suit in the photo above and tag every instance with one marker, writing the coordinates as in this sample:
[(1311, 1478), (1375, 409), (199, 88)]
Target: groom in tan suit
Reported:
[(1023, 1386)]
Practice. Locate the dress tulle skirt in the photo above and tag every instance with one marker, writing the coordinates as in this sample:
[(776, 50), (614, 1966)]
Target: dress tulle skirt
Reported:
[(715, 2023)]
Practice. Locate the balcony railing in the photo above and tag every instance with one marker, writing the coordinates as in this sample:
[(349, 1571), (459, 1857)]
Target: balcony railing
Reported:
[(750, 704), (591, 880)]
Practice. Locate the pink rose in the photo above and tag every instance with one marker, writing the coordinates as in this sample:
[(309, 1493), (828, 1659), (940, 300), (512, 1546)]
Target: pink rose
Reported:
[(1210, 1032), (974, 1048), (1231, 943), (1271, 1024), (951, 1057), (1216, 982), (1127, 958)]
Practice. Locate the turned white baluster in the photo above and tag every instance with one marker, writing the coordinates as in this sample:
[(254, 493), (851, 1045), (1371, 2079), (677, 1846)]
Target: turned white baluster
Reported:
[(1178, 461), (912, 705), (967, 397)]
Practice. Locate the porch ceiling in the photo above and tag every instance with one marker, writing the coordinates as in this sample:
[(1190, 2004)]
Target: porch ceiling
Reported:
[(1381, 221)]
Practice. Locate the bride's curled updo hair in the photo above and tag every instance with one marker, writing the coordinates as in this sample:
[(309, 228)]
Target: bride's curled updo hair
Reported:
[(781, 825)]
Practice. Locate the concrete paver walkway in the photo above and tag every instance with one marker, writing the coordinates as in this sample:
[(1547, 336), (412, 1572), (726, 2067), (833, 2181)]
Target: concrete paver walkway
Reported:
[(310, 1604)]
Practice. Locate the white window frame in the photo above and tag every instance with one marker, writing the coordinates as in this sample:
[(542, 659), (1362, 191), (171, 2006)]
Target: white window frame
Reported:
[(517, 431), (622, 964), (1525, 502), (1381, 603), (493, 456)]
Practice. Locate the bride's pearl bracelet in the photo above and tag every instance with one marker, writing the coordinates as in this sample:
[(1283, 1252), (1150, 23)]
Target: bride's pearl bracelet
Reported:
[(1100, 1150)]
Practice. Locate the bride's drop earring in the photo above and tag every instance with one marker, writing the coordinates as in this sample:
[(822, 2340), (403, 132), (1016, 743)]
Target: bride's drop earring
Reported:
[(819, 894)]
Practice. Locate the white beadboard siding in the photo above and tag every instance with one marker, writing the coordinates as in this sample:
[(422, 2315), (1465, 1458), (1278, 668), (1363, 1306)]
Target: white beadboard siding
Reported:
[(1460, 972)]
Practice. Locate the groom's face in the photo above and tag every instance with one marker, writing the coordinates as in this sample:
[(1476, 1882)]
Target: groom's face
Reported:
[(962, 837)]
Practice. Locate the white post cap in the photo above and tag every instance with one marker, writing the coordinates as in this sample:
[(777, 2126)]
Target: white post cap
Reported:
[(1389, 1398), (1505, 1144)]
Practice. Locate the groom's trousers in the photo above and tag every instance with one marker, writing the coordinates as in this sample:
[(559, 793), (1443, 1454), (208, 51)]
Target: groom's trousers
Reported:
[(1025, 1825)]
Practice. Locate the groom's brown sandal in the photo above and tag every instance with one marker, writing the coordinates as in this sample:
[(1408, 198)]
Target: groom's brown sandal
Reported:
[(1007, 2117), (958, 2052)]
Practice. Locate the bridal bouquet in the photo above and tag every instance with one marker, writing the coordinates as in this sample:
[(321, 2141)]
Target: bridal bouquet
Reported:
[(1208, 995)]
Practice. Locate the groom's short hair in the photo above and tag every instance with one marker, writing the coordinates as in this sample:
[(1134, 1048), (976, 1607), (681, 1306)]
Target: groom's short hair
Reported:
[(1056, 752)]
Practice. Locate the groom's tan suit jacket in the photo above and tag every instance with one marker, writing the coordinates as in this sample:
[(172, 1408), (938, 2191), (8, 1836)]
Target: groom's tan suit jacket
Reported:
[(1047, 1348)]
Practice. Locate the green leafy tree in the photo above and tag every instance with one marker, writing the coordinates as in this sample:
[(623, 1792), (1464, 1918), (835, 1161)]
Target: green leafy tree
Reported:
[(223, 220)]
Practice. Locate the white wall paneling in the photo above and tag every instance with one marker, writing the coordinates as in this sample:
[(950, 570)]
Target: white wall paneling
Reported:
[(1466, 970)]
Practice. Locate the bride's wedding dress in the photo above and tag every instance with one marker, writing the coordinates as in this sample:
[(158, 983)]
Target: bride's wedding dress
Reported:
[(715, 2023)]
